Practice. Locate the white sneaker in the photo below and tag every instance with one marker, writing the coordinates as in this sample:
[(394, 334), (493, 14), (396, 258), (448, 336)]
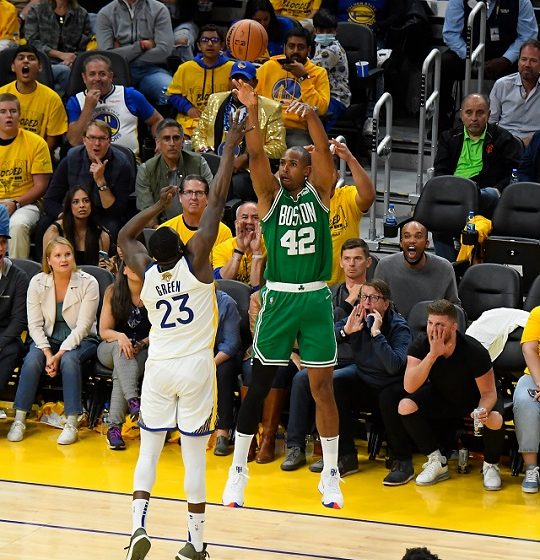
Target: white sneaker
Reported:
[(68, 436), (492, 477), (233, 495), (433, 471), (531, 481), (330, 490), (16, 432)]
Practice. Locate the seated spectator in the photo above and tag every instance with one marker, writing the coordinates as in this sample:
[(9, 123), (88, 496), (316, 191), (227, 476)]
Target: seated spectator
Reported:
[(62, 304), (226, 348), (295, 79), (242, 257), (414, 275), (185, 30), (195, 80), (331, 55), (209, 136), (379, 338), (124, 328), (419, 553), (9, 25), (104, 169), (448, 376), (515, 99), (262, 11), (61, 29), (193, 195), (511, 27), (171, 163), (120, 107), (142, 33), (79, 225), (526, 395), (42, 110), (346, 206), (26, 163), (529, 164), (13, 286), (355, 260), (302, 10)]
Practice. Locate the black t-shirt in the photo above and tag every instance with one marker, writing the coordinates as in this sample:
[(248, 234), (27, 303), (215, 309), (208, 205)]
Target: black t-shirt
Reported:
[(455, 377)]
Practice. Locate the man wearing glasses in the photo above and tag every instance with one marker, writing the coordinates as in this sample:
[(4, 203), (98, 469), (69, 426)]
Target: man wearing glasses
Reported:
[(197, 79), (193, 195), (104, 168), (167, 168)]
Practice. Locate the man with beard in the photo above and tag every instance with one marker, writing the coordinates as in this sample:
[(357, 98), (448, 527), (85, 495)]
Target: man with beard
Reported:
[(42, 111), (241, 257), (414, 275), (448, 376), (515, 99), (295, 78)]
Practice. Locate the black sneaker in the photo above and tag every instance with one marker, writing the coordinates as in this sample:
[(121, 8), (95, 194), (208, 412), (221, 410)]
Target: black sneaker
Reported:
[(400, 473), (222, 446), (295, 459), (347, 464)]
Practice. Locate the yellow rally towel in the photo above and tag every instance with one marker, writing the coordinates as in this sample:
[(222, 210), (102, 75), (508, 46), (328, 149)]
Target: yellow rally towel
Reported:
[(483, 227)]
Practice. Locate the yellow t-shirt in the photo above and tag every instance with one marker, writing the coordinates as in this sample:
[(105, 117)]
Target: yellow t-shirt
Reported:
[(297, 9), (531, 332), (42, 110), (222, 254), (9, 24), (345, 219), (177, 223), (27, 155)]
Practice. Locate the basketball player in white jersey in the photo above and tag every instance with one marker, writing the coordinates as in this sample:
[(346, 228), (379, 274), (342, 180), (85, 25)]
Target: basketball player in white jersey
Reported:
[(179, 387)]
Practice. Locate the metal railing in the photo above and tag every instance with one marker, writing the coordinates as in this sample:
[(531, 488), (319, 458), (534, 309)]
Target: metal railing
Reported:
[(478, 54), (381, 149), (342, 164), (427, 106)]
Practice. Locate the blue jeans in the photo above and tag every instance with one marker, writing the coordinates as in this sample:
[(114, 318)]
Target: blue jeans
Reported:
[(152, 81), (335, 108), (61, 74), (526, 416), (70, 369), (302, 405)]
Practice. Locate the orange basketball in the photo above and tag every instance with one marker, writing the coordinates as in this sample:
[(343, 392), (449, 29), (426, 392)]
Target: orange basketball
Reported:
[(247, 40)]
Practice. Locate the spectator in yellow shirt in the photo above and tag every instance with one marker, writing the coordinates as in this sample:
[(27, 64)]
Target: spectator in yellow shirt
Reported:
[(9, 25)]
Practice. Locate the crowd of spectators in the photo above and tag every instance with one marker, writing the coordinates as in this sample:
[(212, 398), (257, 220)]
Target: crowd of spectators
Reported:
[(77, 200)]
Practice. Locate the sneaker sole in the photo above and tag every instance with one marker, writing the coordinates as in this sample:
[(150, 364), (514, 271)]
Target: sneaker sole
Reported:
[(530, 490), (440, 478), (139, 548), (117, 447), (492, 488), (330, 505), (292, 467), (234, 505), (349, 472), (401, 483)]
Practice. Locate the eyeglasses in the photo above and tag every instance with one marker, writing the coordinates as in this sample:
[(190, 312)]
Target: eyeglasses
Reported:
[(175, 138), (373, 298), (196, 194), (213, 40), (97, 138)]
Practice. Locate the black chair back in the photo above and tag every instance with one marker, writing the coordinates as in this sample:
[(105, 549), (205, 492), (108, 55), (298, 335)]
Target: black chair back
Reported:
[(518, 211), (104, 278), (418, 315), (30, 267), (120, 68), (533, 297), (487, 286), (241, 294), (445, 202), (45, 75)]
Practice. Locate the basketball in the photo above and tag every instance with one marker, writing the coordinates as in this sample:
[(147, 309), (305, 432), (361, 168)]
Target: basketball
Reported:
[(247, 40)]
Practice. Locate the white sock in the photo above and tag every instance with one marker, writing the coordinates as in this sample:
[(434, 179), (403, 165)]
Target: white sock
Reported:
[(242, 443), (72, 420), (196, 530), (139, 509), (330, 452), (20, 415)]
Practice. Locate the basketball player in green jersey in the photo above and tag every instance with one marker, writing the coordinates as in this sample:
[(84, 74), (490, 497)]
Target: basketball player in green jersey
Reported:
[(296, 302)]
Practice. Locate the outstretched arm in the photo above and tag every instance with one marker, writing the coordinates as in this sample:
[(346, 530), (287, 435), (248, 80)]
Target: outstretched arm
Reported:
[(322, 175), (264, 182), (135, 253), (200, 245)]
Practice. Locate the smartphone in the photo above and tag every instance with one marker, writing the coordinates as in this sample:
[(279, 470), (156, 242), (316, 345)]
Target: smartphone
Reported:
[(533, 392), (103, 255), (283, 61), (369, 321)]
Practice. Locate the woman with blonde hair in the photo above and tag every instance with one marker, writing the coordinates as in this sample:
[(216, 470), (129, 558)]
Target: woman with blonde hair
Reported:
[(61, 303)]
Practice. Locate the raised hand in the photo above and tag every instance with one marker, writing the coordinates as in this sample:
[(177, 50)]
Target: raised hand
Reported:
[(166, 195), (245, 93), (237, 131), (355, 321), (303, 110), (97, 168), (437, 345)]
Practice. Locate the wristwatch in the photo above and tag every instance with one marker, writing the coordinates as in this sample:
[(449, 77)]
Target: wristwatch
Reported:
[(343, 334), (103, 188), (304, 77)]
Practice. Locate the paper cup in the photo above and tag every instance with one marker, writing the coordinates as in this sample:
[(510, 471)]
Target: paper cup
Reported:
[(362, 68)]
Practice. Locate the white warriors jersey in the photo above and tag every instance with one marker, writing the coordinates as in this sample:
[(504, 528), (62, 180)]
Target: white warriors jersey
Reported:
[(181, 309), (114, 111)]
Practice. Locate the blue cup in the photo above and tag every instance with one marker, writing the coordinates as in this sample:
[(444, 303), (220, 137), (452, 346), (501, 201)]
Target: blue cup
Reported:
[(362, 68)]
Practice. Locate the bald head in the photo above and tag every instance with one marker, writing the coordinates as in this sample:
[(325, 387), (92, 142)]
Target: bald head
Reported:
[(475, 114), (413, 243)]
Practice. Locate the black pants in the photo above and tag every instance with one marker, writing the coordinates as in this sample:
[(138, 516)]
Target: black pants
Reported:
[(227, 383), (9, 357)]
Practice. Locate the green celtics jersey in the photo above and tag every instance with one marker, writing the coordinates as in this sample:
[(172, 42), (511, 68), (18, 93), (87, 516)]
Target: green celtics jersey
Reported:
[(297, 238)]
